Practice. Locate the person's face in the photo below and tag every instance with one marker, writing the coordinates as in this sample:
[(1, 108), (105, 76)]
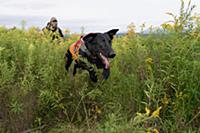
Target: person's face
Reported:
[(54, 24)]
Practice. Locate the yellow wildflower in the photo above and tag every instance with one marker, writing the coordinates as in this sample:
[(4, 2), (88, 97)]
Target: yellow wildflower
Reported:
[(96, 109), (155, 130), (139, 114), (147, 111), (149, 130), (167, 26), (149, 60), (165, 100), (156, 112), (179, 94)]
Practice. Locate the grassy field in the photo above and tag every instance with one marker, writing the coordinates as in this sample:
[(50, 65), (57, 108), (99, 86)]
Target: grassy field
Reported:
[(154, 83)]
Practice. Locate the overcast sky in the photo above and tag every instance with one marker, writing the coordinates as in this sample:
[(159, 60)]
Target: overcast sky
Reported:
[(116, 13)]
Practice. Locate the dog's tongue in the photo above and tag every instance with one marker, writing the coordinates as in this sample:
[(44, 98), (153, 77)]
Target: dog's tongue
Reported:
[(105, 61)]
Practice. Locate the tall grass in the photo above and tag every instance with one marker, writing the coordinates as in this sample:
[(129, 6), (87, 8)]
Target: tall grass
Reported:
[(154, 83)]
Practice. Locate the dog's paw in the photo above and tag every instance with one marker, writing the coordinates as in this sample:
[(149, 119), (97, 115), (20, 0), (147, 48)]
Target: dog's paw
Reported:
[(93, 76)]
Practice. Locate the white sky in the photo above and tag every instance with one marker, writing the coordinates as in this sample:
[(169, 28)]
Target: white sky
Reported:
[(116, 12)]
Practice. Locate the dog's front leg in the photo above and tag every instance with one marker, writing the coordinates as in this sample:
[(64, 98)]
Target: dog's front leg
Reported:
[(74, 71), (106, 73)]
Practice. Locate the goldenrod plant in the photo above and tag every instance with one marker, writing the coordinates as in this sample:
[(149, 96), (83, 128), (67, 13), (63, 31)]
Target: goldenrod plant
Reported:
[(153, 87)]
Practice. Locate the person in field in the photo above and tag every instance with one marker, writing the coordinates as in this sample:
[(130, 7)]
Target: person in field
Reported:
[(53, 30)]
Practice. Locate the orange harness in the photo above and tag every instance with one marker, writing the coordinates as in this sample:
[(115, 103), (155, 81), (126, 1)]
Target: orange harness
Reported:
[(74, 48)]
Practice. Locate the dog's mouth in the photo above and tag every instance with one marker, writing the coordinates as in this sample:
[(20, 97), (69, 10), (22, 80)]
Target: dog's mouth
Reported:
[(105, 61)]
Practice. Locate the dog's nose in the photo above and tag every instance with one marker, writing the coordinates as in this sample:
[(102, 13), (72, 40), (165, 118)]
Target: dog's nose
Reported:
[(112, 55)]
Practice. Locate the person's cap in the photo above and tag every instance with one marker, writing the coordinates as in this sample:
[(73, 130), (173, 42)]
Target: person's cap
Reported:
[(53, 19)]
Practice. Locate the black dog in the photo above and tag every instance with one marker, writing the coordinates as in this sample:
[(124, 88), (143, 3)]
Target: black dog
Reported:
[(97, 49)]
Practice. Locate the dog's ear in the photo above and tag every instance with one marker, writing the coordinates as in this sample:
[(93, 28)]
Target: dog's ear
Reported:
[(112, 32), (90, 37)]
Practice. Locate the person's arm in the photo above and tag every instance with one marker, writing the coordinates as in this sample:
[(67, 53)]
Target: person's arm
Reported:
[(60, 32)]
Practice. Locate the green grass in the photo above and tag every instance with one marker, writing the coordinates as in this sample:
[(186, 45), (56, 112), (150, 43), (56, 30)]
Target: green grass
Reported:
[(152, 71)]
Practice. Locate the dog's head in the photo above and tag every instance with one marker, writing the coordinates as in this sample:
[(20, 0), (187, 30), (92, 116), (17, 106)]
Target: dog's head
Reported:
[(100, 46)]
